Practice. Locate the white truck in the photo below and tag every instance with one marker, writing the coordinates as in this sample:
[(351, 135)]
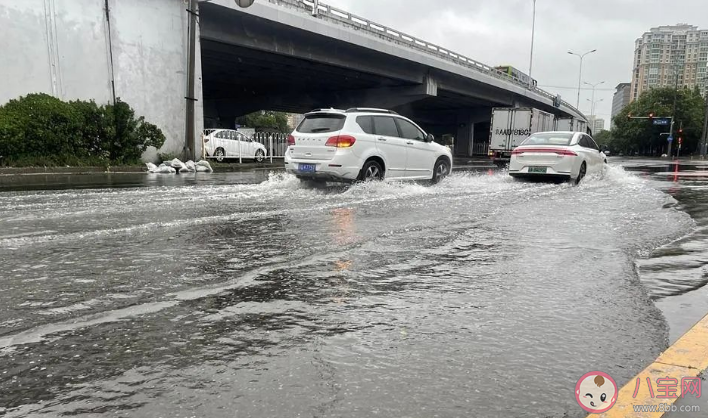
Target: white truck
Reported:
[(511, 126), (566, 124), (570, 124)]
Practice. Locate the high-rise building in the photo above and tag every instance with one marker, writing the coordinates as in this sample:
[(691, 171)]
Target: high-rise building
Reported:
[(596, 124), (668, 56), (621, 99)]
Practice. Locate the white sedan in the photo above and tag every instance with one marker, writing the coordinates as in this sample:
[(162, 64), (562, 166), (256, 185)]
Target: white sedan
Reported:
[(567, 156), (227, 143)]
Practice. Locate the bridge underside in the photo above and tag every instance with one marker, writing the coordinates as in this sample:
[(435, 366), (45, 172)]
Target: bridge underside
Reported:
[(250, 63)]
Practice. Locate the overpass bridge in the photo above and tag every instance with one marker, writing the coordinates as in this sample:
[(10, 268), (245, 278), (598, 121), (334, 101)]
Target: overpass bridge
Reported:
[(276, 55)]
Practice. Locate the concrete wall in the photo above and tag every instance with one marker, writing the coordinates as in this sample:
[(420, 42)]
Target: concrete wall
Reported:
[(63, 48)]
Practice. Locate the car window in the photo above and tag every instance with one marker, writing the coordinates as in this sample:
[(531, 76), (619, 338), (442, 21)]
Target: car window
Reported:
[(594, 144), (553, 138), (587, 142), (321, 123), (409, 131), (366, 123), (385, 126)]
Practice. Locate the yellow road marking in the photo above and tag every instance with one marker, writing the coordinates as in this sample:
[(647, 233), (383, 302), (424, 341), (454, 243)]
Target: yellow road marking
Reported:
[(687, 357)]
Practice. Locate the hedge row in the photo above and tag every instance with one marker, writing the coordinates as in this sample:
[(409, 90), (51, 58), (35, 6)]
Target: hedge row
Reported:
[(43, 130)]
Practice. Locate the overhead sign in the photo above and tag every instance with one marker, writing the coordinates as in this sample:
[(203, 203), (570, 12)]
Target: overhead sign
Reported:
[(662, 122), (670, 139)]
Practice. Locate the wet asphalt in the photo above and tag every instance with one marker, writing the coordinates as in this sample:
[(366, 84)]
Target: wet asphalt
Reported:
[(250, 295)]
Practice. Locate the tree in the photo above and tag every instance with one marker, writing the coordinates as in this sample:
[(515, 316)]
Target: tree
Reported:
[(41, 129), (641, 135), (603, 138), (265, 120)]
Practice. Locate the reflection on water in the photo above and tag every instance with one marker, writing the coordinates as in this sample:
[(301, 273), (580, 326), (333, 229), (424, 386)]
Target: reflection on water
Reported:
[(274, 299), (676, 274)]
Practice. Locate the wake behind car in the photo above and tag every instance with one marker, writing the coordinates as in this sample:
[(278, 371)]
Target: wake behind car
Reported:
[(363, 144), (567, 156)]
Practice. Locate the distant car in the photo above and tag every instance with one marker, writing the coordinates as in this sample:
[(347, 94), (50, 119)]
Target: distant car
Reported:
[(228, 143), (567, 156), (364, 144)]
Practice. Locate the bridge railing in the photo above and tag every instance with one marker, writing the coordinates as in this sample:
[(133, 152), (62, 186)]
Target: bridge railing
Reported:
[(357, 22)]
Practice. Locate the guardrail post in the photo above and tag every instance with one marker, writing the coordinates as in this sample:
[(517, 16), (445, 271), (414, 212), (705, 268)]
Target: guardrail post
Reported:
[(240, 158)]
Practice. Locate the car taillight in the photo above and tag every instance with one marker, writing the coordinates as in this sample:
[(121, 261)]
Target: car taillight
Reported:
[(291, 140), (341, 141), (558, 151)]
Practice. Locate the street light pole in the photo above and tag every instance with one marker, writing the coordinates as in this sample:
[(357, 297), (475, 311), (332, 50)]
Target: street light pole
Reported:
[(580, 73), (704, 136), (533, 36), (593, 103), (592, 111)]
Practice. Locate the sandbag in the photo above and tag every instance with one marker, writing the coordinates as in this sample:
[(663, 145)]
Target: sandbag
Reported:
[(204, 166), (176, 164), (165, 169)]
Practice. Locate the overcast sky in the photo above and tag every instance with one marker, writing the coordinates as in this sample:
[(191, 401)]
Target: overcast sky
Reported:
[(498, 32)]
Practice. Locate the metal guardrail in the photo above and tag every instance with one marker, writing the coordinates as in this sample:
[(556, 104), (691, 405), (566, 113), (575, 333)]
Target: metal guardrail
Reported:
[(275, 143), (340, 16)]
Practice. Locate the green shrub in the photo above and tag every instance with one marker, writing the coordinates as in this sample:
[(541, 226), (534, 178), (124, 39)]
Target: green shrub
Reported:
[(44, 129)]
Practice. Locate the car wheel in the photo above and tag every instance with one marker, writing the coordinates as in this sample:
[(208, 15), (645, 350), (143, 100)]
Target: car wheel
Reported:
[(372, 171), (220, 154), (260, 155), (441, 170), (581, 173)]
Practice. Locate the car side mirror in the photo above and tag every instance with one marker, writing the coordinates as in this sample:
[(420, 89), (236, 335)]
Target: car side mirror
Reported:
[(430, 138)]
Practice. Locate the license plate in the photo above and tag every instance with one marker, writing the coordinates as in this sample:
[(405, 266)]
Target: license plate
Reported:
[(308, 168), (541, 170)]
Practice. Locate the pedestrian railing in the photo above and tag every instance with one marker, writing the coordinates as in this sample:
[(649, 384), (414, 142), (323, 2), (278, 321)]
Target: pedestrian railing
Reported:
[(275, 143), (480, 148), (333, 14)]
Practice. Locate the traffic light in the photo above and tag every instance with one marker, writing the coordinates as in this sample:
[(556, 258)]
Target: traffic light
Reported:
[(680, 136)]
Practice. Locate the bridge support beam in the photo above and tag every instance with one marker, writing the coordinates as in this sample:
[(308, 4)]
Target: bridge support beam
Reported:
[(388, 97)]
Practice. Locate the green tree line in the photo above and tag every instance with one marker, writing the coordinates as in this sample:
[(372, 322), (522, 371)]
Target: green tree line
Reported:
[(39, 129), (642, 136), (265, 121)]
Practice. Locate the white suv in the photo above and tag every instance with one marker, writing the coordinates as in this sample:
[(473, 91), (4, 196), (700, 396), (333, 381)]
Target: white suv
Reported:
[(362, 145)]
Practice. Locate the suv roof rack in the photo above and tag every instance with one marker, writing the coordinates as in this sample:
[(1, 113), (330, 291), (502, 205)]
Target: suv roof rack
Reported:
[(331, 109), (370, 110)]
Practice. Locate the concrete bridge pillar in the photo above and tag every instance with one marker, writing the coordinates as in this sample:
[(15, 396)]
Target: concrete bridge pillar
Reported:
[(472, 128)]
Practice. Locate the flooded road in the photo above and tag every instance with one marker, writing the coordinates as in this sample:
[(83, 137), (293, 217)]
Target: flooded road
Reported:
[(226, 295)]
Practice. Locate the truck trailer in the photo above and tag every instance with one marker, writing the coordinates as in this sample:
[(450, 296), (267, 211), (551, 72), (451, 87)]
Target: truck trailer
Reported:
[(511, 126)]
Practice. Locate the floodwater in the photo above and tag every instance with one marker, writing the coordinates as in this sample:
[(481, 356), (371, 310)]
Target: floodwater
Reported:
[(224, 297)]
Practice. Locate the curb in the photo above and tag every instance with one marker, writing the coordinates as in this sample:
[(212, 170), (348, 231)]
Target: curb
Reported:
[(687, 357)]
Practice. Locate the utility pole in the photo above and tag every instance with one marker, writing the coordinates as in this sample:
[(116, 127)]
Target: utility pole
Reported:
[(189, 139)]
